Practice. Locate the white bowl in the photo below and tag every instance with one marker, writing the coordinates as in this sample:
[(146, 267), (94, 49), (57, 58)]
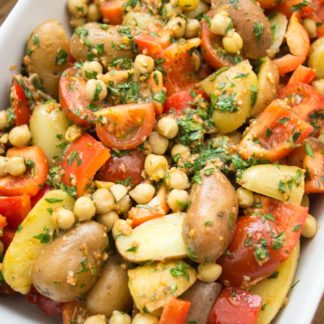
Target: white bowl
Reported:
[(304, 297)]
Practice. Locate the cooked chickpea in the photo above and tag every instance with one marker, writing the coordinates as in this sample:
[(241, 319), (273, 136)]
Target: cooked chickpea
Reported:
[(19, 136), (200, 10), (177, 26), (118, 191), (143, 64), (168, 127), (90, 69), (221, 23), (180, 151), (319, 86), (159, 144), (232, 42), (123, 205), (172, 10), (84, 208), (178, 179), (121, 227), (178, 199), (245, 197), (156, 166), (108, 219), (145, 319), (77, 8), (64, 218), (188, 4), (310, 227), (3, 166), (96, 319), (209, 272), (192, 28), (196, 61), (3, 120), (103, 200), (310, 27), (94, 13), (143, 193), (16, 166), (96, 90), (73, 133)]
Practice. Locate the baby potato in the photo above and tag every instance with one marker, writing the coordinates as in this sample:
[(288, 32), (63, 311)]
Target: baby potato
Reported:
[(211, 216), (47, 47), (316, 57), (278, 23), (68, 267), (25, 248), (110, 292), (102, 41), (49, 119)]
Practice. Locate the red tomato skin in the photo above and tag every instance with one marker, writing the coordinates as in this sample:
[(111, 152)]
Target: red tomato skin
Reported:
[(112, 11), (35, 199), (175, 312), (235, 306), (15, 209), (120, 168), (20, 104), (7, 236)]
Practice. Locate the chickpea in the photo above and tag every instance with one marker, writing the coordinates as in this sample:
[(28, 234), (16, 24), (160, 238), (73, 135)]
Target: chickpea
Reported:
[(90, 70), (3, 166), (178, 180), (143, 64), (316, 57), (77, 22), (196, 61), (178, 199), (64, 218), (245, 197), (118, 191), (192, 28), (188, 4), (96, 90), (143, 193), (77, 8), (168, 127), (73, 133), (84, 208), (121, 227), (201, 9), (94, 13), (96, 319), (310, 227), (232, 42), (108, 219), (3, 120), (103, 200), (209, 272), (310, 27), (123, 205), (145, 319), (156, 166), (16, 166), (221, 23), (159, 144), (319, 86), (19, 136), (180, 151), (177, 26)]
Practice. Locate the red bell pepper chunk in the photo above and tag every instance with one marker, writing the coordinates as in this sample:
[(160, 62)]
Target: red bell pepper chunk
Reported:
[(175, 312), (235, 306), (20, 103), (82, 159), (15, 209)]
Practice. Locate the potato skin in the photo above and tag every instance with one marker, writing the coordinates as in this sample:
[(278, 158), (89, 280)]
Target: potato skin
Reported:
[(68, 267), (110, 37), (110, 292), (246, 15), (202, 297), (44, 45), (209, 222)]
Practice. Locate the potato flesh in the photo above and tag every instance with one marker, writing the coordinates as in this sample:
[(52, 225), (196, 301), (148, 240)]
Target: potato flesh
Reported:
[(156, 240), (238, 81), (316, 57), (25, 248), (282, 182), (152, 285), (274, 290), (278, 26), (49, 119)]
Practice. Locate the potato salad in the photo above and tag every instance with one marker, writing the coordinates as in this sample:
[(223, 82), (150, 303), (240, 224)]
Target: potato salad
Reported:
[(158, 160)]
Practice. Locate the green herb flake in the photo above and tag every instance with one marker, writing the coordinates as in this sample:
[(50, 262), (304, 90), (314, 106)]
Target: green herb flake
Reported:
[(261, 250), (274, 275), (132, 249), (35, 40), (297, 228), (53, 200), (299, 5), (258, 30), (278, 241), (180, 270), (309, 150), (61, 57), (295, 136), (254, 94), (44, 237)]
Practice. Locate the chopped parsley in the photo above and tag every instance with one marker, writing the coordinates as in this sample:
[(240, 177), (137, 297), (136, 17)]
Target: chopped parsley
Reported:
[(53, 200), (261, 250), (180, 270), (253, 95), (299, 5), (35, 40), (278, 241), (224, 102), (61, 57), (44, 237), (132, 249), (258, 30), (274, 275), (191, 254), (126, 182), (74, 156), (309, 150), (297, 228)]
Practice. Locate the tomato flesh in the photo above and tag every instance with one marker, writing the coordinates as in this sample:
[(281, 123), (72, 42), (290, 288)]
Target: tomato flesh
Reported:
[(175, 312), (20, 103), (112, 11), (127, 126)]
